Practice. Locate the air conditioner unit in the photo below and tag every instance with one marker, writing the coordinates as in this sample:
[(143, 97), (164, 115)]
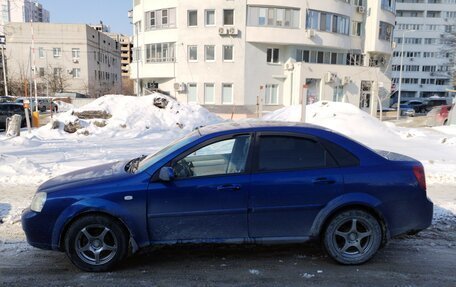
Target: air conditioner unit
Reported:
[(394, 45), (222, 31), (432, 74), (233, 31), (75, 60), (289, 66), (361, 9), (311, 33), (412, 59), (330, 77), (180, 87), (346, 80)]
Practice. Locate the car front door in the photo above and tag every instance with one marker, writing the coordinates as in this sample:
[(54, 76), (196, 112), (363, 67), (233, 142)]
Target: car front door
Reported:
[(292, 180), (207, 199)]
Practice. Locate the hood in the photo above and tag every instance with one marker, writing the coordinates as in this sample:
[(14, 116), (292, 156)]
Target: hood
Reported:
[(86, 176)]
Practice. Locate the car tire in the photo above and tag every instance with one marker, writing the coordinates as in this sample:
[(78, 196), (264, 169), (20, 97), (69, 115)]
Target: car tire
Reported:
[(352, 237), (96, 243)]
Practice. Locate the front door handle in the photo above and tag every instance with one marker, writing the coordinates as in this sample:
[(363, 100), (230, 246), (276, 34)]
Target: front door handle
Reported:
[(323, 181), (234, 187)]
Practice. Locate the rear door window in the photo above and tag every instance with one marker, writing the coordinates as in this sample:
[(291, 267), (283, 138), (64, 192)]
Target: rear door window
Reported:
[(276, 153)]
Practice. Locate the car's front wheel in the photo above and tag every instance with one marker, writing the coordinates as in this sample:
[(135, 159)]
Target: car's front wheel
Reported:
[(352, 237), (96, 243)]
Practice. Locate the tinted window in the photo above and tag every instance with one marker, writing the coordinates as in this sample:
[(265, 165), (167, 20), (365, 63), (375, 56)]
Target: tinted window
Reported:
[(343, 157), (286, 152), (219, 158)]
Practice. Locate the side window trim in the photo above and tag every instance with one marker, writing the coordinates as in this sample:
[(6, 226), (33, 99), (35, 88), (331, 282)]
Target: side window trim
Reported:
[(248, 166), (255, 156)]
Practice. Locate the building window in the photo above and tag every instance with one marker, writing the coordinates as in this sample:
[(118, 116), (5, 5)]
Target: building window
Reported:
[(228, 53), (356, 28), (274, 17), (76, 53), (389, 5), (209, 53), (209, 18), (271, 95), (209, 93), (228, 17), (192, 18), (327, 22), (164, 18), (192, 95), (41, 72), (57, 52), (76, 73), (272, 56), (41, 52), (160, 53), (227, 94), (57, 71), (192, 53), (385, 31)]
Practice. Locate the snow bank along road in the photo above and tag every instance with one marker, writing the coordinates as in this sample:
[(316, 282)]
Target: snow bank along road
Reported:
[(138, 127)]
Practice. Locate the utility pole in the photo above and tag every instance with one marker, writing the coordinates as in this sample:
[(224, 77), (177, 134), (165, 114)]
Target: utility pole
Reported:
[(34, 66), (2, 43)]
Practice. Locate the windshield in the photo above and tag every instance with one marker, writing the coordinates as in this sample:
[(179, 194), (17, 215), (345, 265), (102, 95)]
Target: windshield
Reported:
[(172, 147)]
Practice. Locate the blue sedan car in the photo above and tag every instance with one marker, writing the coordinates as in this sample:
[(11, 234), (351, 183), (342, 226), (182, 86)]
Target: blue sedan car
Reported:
[(234, 183)]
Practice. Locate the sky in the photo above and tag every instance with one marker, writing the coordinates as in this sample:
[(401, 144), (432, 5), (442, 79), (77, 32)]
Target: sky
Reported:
[(113, 13)]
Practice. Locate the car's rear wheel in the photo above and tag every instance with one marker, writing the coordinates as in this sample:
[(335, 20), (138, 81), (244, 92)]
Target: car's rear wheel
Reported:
[(353, 237), (96, 243)]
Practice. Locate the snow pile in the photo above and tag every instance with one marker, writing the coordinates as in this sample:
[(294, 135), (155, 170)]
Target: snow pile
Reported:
[(341, 117), (63, 106), (131, 117), (15, 170)]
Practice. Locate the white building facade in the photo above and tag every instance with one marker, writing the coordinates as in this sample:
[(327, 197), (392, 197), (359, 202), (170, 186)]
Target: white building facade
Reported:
[(241, 57), (427, 63), (23, 11)]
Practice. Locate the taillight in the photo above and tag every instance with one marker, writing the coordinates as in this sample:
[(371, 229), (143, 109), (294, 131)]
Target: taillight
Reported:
[(418, 171)]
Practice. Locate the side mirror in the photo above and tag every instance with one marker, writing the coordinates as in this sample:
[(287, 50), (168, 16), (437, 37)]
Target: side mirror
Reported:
[(166, 174)]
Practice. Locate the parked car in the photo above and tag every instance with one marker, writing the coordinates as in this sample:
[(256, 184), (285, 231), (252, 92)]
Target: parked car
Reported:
[(43, 104), (431, 103), (438, 116), (417, 105), (406, 110), (234, 183), (6, 99), (10, 109)]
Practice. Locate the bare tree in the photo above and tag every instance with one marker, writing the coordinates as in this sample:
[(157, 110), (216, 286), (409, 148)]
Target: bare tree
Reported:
[(56, 78)]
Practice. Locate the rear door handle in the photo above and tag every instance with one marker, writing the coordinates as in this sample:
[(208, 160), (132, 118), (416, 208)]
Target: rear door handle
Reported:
[(323, 181), (234, 187)]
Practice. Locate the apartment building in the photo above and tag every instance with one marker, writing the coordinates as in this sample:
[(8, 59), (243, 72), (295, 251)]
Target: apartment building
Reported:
[(23, 11), (239, 57), (422, 28), (65, 58)]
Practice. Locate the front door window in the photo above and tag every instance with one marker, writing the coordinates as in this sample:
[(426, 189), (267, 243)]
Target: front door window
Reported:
[(219, 158)]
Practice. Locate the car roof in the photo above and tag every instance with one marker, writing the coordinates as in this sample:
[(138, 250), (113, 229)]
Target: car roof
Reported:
[(256, 125)]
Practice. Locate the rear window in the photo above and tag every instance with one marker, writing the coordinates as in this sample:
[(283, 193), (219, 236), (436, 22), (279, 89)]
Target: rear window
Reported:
[(343, 157), (291, 153)]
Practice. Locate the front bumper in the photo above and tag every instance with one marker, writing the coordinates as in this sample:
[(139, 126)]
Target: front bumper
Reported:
[(38, 229)]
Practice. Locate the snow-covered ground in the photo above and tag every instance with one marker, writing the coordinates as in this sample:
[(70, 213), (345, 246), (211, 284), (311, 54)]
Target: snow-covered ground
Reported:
[(138, 127)]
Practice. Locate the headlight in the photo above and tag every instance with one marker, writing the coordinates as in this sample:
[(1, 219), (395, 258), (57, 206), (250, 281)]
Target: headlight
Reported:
[(38, 201)]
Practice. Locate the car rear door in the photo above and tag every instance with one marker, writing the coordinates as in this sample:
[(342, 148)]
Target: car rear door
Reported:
[(293, 178), (208, 198)]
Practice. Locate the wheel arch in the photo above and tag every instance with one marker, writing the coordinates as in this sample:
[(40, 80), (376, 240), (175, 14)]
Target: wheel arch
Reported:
[(83, 214), (368, 204)]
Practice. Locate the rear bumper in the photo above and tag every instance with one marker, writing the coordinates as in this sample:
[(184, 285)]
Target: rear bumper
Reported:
[(410, 216)]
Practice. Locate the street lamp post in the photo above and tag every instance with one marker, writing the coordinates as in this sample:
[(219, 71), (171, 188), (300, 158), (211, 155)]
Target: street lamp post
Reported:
[(400, 74)]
